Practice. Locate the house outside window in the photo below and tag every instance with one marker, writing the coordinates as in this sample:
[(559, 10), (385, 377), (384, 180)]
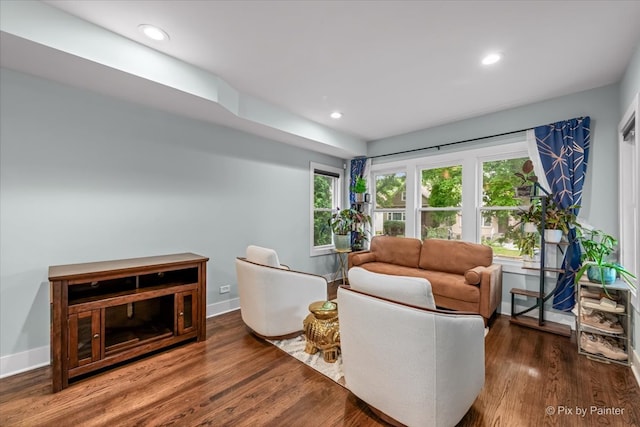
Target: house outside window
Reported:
[(326, 189)]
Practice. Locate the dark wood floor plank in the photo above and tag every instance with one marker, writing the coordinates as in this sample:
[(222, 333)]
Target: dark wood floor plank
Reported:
[(235, 379)]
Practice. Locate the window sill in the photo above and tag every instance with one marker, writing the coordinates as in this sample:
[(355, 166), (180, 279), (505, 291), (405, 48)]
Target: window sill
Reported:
[(325, 250), (514, 267)]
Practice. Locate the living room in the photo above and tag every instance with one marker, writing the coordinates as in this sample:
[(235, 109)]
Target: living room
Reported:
[(90, 172)]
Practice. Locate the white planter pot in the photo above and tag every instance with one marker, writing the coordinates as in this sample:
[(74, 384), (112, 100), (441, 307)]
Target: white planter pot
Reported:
[(342, 241), (530, 227), (552, 236)]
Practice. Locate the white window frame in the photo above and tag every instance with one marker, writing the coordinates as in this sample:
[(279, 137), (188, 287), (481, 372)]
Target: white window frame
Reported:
[(338, 198), (471, 161)]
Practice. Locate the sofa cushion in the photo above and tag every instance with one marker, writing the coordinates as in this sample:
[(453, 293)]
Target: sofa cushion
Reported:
[(403, 251), (407, 290), (454, 256), (452, 286)]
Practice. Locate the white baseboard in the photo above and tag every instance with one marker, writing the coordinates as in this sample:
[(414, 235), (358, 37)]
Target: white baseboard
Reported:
[(635, 365), (218, 308), (25, 361), (13, 364)]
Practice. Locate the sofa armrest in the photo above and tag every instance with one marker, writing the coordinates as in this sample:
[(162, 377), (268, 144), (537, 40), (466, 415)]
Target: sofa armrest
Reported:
[(490, 289), (361, 257)]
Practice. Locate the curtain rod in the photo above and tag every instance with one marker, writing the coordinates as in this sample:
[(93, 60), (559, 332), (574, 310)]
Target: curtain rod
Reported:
[(438, 147)]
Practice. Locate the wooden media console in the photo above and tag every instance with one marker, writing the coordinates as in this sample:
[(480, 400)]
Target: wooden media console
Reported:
[(108, 312)]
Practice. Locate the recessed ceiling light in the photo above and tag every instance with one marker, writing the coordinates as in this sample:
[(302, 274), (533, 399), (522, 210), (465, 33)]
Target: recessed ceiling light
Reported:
[(336, 115), (153, 32), (491, 59)]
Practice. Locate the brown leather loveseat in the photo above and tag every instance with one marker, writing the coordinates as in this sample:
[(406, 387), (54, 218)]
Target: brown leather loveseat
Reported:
[(462, 274)]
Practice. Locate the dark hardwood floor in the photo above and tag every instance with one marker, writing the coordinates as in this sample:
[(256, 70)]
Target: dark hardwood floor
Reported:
[(236, 379)]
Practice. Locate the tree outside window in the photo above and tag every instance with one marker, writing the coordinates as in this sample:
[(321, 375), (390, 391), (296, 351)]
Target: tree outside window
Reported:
[(390, 199), (326, 184), (499, 204), (441, 202)]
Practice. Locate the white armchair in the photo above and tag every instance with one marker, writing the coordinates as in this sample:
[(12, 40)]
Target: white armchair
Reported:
[(412, 365), (273, 299)]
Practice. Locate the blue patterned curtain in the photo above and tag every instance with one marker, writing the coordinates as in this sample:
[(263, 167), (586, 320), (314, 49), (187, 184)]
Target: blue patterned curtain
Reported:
[(357, 169), (564, 151)]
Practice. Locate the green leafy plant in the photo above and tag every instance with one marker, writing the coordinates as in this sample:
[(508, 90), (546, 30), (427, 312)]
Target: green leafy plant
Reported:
[(527, 176), (597, 247), (557, 218), (344, 221), (527, 243), (360, 185)]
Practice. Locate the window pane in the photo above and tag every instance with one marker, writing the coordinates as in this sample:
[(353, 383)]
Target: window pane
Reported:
[(499, 182), (441, 225), (384, 223), (442, 187), (321, 229), (323, 191), (495, 232), (391, 191)]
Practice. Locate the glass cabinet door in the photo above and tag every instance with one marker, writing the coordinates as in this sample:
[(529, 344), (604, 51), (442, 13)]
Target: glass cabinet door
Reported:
[(186, 312), (85, 338)]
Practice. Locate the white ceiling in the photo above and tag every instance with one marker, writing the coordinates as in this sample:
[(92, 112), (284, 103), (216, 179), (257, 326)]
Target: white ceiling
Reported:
[(391, 67)]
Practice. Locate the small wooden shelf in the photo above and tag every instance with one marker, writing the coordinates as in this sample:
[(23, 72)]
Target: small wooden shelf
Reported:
[(525, 292), (549, 269), (546, 326)]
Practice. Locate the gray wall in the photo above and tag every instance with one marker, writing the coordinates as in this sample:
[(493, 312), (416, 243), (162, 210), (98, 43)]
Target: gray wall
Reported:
[(86, 177), (630, 84), (600, 199)]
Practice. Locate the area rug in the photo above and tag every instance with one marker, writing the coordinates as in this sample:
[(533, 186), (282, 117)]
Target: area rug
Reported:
[(295, 347)]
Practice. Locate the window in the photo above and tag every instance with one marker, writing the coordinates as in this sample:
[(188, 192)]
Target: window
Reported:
[(390, 203), (326, 184), (499, 204), (441, 203), (463, 195)]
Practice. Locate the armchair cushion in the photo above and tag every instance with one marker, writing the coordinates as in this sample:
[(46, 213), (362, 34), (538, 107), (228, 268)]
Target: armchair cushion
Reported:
[(408, 290), (264, 256)]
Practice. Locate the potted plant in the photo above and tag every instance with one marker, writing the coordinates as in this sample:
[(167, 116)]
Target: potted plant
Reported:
[(528, 178), (360, 188), (528, 244), (557, 221), (343, 222), (529, 219), (597, 247)]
